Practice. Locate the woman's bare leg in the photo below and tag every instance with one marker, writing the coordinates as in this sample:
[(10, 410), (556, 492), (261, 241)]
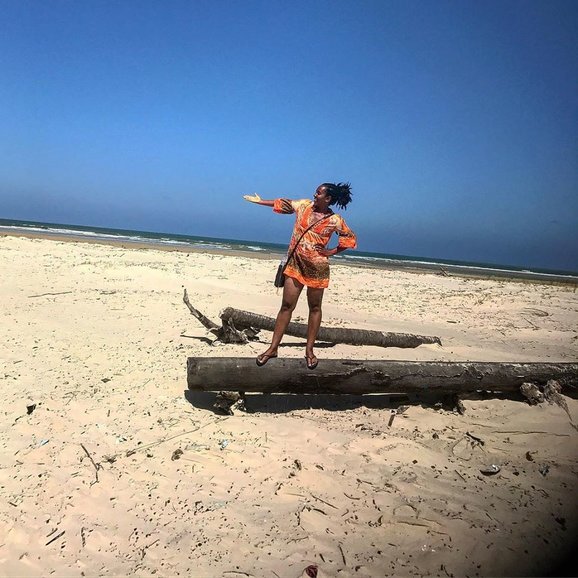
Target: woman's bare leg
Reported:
[(291, 291), (314, 300)]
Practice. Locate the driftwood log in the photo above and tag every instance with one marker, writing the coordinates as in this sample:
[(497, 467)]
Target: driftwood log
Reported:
[(244, 319), (239, 326), (341, 376)]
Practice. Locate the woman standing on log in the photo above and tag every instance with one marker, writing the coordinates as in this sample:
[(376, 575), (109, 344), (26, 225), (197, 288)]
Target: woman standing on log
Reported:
[(309, 263)]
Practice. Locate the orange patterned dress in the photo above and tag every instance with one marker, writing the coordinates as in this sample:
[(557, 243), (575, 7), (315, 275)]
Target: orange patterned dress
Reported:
[(307, 265)]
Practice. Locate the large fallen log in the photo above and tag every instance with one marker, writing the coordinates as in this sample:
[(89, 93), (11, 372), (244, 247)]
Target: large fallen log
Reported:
[(341, 376), (245, 319)]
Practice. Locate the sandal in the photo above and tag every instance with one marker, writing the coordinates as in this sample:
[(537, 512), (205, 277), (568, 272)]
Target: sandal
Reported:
[(310, 363), (264, 358)]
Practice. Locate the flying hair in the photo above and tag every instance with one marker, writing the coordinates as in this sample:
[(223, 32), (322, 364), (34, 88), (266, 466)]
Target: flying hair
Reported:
[(340, 193)]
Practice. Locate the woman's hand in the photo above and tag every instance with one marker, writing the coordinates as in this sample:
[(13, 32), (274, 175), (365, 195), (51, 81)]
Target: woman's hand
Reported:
[(324, 251), (252, 198)]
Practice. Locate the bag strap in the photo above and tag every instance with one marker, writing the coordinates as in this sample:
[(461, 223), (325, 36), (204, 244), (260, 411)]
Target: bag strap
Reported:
[(303, 235)]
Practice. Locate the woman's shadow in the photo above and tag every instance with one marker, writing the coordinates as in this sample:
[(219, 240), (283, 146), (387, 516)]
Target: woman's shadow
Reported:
[(278, 403)]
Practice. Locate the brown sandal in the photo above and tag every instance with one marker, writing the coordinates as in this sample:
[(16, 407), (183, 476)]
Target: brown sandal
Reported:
[(311, 364), (264, 358)]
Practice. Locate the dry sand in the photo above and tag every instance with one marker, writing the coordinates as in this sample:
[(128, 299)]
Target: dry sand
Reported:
[(95, 340)]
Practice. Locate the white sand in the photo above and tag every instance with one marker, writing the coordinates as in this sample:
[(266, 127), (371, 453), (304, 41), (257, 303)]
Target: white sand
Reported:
[(97, 338)]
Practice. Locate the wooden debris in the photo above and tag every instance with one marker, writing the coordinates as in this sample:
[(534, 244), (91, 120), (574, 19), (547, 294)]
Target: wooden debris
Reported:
[(49, 294), (532, 393), (96, 466), (227, 333), (476, 438), (55, 538), (553, 394)]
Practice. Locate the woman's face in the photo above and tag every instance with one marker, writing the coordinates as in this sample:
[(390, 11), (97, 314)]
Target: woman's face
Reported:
[(321, 198)]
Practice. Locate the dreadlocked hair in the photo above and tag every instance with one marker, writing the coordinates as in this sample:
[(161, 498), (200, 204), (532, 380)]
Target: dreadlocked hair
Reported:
[(340, 194)]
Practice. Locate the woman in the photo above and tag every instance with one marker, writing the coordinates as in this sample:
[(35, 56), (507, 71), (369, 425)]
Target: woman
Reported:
[(309, 264)]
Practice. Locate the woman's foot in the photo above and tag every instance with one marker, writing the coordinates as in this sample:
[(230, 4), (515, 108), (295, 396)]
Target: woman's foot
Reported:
[(311, 360), (264, 358)]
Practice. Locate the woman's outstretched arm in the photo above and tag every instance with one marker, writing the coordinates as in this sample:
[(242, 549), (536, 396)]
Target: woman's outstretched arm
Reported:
[(258, 200)]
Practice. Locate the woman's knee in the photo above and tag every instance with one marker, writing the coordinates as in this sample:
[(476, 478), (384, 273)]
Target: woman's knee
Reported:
[(288, 306), (314, 300), (315, 307)]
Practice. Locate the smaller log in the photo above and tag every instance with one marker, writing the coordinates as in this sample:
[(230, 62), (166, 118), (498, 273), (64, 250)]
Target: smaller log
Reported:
[(239, 326), (244, 319), (343, 376)]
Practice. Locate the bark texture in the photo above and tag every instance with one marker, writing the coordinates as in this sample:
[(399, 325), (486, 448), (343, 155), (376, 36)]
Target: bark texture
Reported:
[(341, 376)]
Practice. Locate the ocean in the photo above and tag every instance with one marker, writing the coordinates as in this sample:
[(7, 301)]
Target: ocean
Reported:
[(360, 258)]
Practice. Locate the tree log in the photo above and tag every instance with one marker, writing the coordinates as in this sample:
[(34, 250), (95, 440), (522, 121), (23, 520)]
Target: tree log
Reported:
[(246, 319), (239, 326), (340, 376)]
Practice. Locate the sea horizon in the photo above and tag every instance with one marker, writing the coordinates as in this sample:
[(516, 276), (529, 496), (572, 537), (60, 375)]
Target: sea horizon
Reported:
[(367, 258)]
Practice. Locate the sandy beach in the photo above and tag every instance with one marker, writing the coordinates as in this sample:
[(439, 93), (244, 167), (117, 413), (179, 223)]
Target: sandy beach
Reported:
[(110, 468)]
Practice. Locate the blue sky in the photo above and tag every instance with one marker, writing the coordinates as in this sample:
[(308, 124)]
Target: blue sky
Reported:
[(455, 121)]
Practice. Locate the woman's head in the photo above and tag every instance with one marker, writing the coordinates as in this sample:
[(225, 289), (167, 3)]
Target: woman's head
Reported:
[(340, 193)]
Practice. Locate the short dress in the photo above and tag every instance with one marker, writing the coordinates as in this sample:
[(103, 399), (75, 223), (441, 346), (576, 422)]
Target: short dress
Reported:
[(307, 265)]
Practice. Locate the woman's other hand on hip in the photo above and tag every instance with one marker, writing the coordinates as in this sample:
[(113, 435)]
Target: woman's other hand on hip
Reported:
[(324, 251)]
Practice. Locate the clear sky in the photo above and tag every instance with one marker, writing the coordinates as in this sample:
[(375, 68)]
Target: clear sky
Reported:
[(456, 122)]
